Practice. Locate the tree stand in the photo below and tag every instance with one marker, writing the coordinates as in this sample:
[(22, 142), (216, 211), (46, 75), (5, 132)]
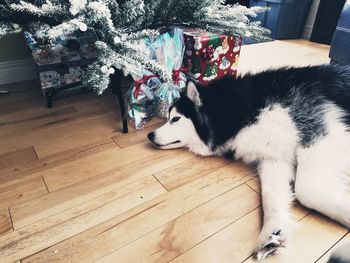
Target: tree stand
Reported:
[(116, 85)]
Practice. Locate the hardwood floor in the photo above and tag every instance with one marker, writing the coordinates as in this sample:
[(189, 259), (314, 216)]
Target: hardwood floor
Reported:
[(73, 188)]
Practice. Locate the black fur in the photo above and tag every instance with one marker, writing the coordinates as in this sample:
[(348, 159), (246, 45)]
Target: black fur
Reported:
[(230, 104)]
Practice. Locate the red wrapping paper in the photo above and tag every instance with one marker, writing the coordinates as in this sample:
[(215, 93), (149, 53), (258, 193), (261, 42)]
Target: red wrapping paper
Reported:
[(210, 56)]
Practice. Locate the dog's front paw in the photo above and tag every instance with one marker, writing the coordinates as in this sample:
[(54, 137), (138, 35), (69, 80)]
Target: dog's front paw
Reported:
[(269, 244)]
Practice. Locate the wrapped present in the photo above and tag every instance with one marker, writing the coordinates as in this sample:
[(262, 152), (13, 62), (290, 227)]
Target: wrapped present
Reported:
[(141, 99), (168, 50), (60, 76), (49, 79), (210, 56), (149, 96)]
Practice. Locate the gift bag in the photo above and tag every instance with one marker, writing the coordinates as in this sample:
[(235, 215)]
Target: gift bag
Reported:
[(210, 56), (149, 96), (168, 50), (141, 99)]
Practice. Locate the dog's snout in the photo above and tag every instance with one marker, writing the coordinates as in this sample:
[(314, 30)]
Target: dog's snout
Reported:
[(151, 136)]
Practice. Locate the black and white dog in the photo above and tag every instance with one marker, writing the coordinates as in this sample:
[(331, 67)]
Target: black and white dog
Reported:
[(294, 123)]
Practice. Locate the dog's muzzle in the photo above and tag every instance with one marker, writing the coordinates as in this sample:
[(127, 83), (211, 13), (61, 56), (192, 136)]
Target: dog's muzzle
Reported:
[(151, 136)]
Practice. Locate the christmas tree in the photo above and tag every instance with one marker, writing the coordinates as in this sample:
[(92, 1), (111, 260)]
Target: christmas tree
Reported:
[(121, 25)]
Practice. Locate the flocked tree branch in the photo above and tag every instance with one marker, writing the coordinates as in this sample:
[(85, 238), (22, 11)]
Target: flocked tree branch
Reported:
[(122, 24)]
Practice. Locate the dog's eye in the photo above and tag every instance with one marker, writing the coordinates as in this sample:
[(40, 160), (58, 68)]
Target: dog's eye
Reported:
[(175, 119)]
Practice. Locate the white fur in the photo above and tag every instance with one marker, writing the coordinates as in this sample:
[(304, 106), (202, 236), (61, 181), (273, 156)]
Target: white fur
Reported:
[(272, 141), (323, 171)]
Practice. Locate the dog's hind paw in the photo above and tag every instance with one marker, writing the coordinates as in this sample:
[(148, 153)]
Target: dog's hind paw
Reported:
[(269, 245)]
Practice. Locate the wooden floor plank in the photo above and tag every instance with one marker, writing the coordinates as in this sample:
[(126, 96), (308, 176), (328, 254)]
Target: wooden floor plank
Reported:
[(5, 221), (187, 171), (344, 240), (85, 132), (254, 183), (134, 137), (231, 245), (186, 231), (26, 116), (314, 235), (67, 111), (281, 53), (11, 160), (93, 165), (19, 192), (64, 137), (27, 169), (36, 237), (58, 201), (135, 223), (234, 243)]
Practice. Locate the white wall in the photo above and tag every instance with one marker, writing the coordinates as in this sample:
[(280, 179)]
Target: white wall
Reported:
[(310, 19)]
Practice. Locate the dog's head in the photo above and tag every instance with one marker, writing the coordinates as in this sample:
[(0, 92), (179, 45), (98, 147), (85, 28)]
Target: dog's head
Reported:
[(181, 129)]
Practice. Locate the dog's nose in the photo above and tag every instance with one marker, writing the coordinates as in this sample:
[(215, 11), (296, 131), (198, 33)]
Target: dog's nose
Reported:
[(151, 136)]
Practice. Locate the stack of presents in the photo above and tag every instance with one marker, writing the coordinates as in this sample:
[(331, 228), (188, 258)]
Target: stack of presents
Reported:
[(60, 64), (194, 54)]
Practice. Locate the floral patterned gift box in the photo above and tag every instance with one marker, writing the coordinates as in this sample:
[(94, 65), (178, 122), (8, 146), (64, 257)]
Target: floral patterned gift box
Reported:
[(210, 56)]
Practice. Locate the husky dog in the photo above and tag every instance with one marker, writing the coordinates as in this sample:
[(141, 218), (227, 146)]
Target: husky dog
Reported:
[(293, 123)]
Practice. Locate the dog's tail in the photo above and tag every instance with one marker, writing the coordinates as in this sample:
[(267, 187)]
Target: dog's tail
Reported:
[(341, 254)]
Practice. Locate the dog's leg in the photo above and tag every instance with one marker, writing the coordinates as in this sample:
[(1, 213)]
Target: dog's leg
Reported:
[(276, 196)]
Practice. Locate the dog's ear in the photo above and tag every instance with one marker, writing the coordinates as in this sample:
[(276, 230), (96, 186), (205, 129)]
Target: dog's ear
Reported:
[(192, 93)]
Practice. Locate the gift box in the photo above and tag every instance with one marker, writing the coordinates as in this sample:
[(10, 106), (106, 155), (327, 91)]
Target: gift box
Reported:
[(60, 77), (210, 56), (61, 62)]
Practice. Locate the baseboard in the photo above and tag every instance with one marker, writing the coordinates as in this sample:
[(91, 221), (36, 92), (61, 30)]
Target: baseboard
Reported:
[(17, 71)]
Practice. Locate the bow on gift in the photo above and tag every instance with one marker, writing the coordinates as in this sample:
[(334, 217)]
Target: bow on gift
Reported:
[(176, 74), (139, 82)]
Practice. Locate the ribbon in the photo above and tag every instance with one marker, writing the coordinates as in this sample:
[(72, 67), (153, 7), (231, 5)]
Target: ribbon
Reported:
[(176, 74), (139, 82)]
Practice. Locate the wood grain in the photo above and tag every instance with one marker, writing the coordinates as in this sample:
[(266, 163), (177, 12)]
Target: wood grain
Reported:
[(58, 201), (5, 221), (38, 236), (312, 237), (134, 137), (19, 192), (122, 230), (48, 141), (186, 231), (233, 244), (27, 169), (13, 159), (289, 53), (93, 165), (189, 170), (239, 239)]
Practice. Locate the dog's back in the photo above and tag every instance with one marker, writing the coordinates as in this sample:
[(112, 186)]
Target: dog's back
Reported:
[(306, 92)]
